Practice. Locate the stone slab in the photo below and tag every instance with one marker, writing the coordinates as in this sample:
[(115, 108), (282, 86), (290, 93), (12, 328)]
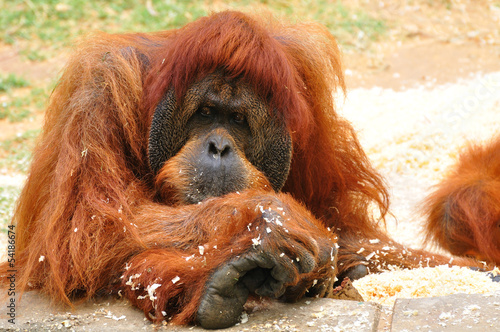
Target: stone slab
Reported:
[(458, 312), (35, 313)]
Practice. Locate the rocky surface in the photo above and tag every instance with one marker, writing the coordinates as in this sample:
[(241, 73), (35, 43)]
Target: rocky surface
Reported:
[(457, 312)]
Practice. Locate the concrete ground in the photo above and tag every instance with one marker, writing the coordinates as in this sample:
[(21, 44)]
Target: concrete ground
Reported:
[(459, 312)]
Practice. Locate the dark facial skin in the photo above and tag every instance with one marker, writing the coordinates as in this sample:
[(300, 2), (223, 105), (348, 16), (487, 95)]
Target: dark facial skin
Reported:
[(220, 128), (221, 134)]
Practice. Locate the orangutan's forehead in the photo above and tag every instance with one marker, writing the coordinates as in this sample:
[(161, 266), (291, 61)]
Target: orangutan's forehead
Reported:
[(230, 94), (223, 91)]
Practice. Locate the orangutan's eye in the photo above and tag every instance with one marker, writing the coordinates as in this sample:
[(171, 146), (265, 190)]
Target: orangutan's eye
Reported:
[(206, 111), (239, 118)]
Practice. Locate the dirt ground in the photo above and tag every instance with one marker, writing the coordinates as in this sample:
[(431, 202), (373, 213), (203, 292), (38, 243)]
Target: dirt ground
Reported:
[(427, 44)]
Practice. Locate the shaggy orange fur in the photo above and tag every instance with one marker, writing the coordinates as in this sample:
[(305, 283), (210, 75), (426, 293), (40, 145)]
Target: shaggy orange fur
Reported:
[(464, 210)]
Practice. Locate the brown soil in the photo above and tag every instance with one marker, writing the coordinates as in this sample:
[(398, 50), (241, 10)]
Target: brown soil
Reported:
[(428, 42), (423, 62)]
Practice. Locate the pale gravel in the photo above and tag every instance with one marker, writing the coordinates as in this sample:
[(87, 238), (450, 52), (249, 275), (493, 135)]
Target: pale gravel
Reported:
[(413, 137)]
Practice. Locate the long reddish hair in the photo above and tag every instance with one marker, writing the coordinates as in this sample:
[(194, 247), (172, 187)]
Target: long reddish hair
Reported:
[(464, 210), (296, 69)]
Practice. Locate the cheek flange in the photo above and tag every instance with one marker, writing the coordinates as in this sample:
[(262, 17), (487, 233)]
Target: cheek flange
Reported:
[(166, 135)]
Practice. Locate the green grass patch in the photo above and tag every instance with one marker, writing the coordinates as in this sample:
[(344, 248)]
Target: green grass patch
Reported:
[(15, 153), (45, 26), (349, 26), (8, 197), (49, 25), (18, 108), (12, 81)]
